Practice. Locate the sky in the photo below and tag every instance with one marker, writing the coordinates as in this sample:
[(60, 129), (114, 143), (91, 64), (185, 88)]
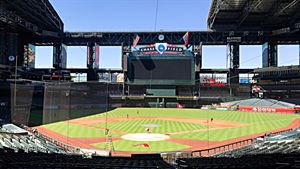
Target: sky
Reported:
[(139, 16)]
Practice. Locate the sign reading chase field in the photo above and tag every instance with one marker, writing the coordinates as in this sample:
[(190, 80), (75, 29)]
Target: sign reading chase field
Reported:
[(161, 48)]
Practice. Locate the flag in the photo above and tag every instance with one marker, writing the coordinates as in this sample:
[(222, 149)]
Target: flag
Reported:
[(97, 52), (135, 41), (186, 38)]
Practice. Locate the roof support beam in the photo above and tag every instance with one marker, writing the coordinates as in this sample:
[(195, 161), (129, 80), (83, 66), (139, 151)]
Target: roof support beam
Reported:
[(215, 13), (278, 8), (249, 6), (275, 9), (289, 5)]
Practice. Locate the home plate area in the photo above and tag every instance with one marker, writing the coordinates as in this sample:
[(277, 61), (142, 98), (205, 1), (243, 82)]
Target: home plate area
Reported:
[(146, 136)]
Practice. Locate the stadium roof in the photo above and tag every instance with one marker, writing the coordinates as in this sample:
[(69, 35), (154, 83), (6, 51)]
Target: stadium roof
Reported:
[(277, 69), (262, 15), (36, 16)]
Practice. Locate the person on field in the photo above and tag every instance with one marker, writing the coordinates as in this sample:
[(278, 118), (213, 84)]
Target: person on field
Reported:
[(106, 131), (211, 120)]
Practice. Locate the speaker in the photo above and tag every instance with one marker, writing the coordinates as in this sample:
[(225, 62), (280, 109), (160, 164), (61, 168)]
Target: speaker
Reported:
[(198, 57), (124, 62), (125, 53)]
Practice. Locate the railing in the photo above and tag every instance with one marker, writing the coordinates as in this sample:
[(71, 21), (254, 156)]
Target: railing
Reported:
[(232, 146), (223, 148), (65, 147)]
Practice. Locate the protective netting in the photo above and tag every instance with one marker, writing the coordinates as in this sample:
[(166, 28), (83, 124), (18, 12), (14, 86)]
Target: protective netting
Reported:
[(5, 102), (21, 103), (56, 102), (63, 101), (35, 104)]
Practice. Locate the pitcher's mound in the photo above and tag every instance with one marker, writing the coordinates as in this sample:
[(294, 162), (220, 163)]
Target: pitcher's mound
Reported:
[(145, 137)]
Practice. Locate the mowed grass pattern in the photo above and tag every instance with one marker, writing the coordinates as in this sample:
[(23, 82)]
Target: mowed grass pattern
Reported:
[(262, 123), (255, 123), (165, 126), (76, 131)]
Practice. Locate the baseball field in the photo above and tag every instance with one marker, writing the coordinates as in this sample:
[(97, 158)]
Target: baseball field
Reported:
[(158, 130)]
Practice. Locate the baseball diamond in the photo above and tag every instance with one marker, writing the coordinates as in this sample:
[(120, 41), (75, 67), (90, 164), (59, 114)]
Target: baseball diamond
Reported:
[(180, 129)]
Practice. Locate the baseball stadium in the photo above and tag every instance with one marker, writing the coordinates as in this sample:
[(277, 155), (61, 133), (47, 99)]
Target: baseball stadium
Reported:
[(162, 108)]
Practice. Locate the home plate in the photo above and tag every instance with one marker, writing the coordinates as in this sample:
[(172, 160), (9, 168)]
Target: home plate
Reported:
[(145, 137)]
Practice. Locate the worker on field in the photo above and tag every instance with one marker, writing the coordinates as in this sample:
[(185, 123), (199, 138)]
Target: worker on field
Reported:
[(106, 132)]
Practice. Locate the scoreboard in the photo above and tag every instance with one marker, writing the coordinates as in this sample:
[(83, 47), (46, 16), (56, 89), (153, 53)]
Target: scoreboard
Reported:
[(152, 68)]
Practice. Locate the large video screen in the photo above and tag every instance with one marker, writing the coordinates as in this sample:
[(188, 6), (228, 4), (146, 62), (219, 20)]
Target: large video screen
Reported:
[(161, 71)]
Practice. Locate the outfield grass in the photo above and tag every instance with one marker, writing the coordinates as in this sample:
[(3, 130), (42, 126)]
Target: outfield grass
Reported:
[(230, 133), (254, 123), (77, 131)]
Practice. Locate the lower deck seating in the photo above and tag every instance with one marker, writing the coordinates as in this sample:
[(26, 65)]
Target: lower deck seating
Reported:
[(247, 161), (10, 159)]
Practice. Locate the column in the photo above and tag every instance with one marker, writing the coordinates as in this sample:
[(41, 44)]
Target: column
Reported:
[(233, 57), (269, 54), (60, 56), (93, 52)]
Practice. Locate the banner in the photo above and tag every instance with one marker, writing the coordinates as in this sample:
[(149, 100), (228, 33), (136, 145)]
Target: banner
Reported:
[(265, 54), (60, 56), (216, 80), (266, 109), (29, 56), (93, 54), (64, 56), (97, 53)]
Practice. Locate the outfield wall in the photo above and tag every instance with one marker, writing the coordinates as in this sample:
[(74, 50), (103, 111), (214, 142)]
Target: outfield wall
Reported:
[(266, 109)]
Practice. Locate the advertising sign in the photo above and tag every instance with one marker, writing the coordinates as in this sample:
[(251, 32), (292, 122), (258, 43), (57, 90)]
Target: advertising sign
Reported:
[(161, 48), (219, 80)]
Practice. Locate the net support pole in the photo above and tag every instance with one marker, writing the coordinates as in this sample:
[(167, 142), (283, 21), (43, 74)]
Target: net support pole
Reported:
[(269, 54)]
